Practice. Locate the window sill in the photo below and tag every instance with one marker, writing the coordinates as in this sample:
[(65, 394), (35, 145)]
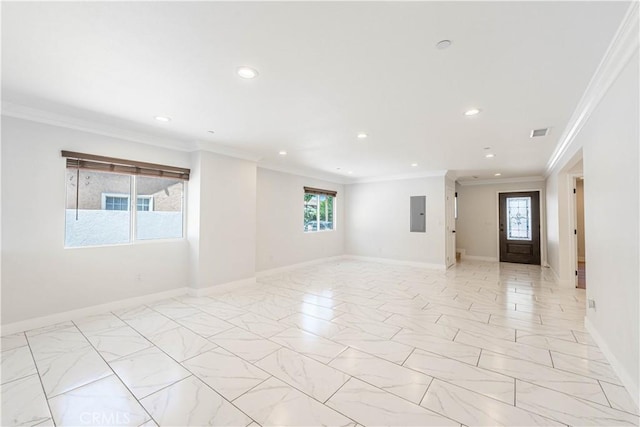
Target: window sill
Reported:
[(134, 243)]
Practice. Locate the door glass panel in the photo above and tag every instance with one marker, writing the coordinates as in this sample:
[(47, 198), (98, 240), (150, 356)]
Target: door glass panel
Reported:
[(519, 218)]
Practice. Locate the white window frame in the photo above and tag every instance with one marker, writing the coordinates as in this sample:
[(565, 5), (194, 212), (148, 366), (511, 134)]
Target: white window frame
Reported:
[(119, 195), (318, 230), (149, 198), (133, 218), (126, 196)]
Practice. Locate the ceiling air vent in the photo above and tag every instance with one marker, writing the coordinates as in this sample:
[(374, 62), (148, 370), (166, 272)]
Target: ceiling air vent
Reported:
[(539, 132)]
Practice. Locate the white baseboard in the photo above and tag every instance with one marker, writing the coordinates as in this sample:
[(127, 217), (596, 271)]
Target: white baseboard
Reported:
[(397, 262), (627, 380), (479, 258), (52, 319), (553, 272), (299, 265), (559, 281), (221, 288), (562, 282)]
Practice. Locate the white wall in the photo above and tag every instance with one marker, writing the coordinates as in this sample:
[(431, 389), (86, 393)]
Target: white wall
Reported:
[(610, 148), (477, 223), (227, 214), (609, 142), (41, 277), (281, 240), (552, 195), (377, 223)]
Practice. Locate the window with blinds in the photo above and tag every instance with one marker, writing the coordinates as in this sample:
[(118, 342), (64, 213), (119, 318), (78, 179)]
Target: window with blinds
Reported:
[(319, 209), (115, 201)]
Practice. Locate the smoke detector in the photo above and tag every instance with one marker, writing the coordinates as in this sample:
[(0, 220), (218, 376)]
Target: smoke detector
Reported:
[(539, 132)]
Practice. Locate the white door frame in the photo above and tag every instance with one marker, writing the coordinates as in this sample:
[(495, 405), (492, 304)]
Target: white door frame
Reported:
[(450, 226), (573, 223)]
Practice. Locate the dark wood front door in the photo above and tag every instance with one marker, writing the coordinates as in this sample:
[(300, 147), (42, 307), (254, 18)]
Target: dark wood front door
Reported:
[(520, 227)]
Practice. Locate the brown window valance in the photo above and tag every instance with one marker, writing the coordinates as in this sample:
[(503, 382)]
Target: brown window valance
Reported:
[(312, 190), (131, 167)]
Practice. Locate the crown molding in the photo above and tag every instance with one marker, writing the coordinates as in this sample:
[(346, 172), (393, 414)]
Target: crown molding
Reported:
[(225, 150), (624, 45), (417, 175), (305, 172), (10, 109), (502, 180), (18, 111)]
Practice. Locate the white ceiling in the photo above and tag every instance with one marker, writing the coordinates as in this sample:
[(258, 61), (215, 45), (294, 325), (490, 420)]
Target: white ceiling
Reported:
[(328, 70)]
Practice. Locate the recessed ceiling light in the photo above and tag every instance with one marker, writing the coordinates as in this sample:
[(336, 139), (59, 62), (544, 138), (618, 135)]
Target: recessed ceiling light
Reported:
[(489, 155), (163, 118), (282, 153), (338, 169), (362, 135), (350, 172), (413, 165), (443, 44), (472, 112), (247, 72), (497, 174), (211, 131)]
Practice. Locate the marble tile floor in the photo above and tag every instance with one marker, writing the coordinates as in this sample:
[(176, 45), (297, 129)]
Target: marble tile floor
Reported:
[(343, 343)]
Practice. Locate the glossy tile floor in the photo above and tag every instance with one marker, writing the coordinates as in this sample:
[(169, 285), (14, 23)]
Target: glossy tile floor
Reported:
[(343, 343)]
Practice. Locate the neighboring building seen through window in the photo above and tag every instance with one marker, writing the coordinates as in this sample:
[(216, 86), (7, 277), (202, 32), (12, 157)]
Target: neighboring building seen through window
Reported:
[(120, 202), (103, 213), (116, 203), (318, 212)]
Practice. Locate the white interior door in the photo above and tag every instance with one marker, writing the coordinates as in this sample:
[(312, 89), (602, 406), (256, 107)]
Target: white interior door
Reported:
[(450, 226)]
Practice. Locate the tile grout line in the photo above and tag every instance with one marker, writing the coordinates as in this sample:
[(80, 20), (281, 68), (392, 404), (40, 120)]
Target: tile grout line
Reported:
[(44, 393), (255, 386), (580, 399), (605, 395), (426, 391), (114, 372), (175, 382), (408, 356), (179, 363), (479, 356)]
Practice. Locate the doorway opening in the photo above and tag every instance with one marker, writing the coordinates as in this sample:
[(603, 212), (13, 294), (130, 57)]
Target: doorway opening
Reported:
[(450, 225), (519, 221)]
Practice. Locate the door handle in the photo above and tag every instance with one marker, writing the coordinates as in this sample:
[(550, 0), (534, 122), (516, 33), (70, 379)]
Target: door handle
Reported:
[(453, 231)]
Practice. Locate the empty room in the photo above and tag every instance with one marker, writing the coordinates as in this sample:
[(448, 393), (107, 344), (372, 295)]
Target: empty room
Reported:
[(320, 213)]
